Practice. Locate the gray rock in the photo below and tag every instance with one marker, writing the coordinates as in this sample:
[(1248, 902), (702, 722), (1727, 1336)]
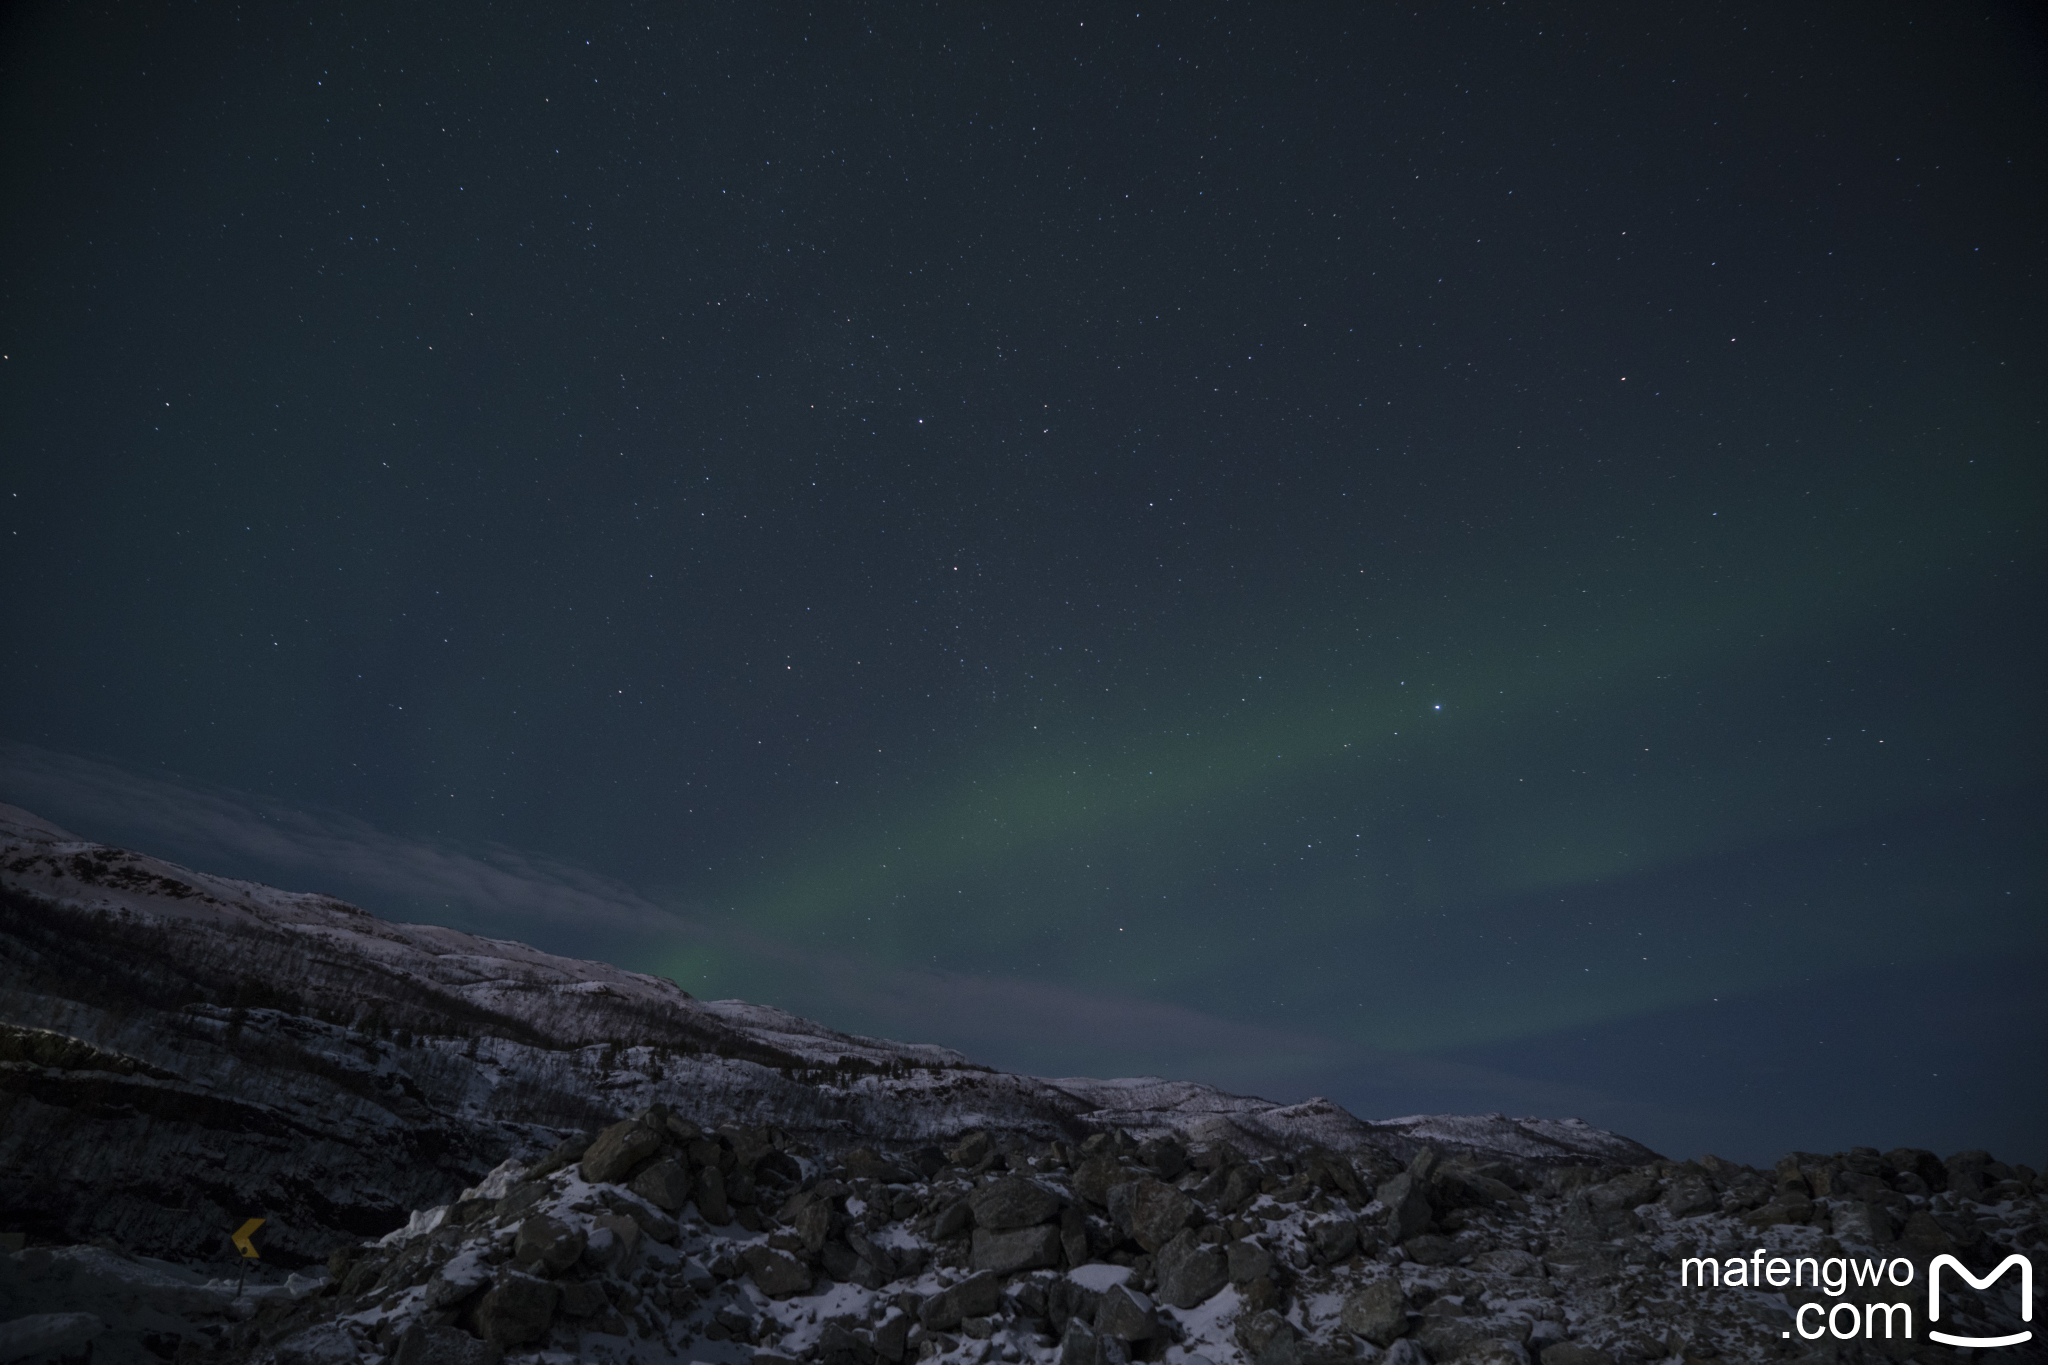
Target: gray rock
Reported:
[(1083, 1345), (1124, 1312), (1190, 1272), (953, 1220), (1404, 1352), (665, 1184), (1157, 1212), (444, 1346), (839, 1259), (547, 1246), (892, 1335), (711, 1197), (1507, 1261), (1378, 1312), (617, 1150), (1240, 1188), (839, 1346), (582, 1299), (864, 1163), (614, 1242), (1165, 1156), (972, 1149), (1495, 1352), (777, 1273), (570, 1149), (1269, 1339), (813, 1224), (1690, 1196), (326, 1344), (1006, 1253), (1446, 1337), (1407, 1204), (1247, 1261), (517, 1310), (653, 1223), (1334, 1240), (1013, 1202), (975, 1296), (1867, 1225), (1431, 1249), (1098, 1175), (1572, 1353), (1074, 1235)]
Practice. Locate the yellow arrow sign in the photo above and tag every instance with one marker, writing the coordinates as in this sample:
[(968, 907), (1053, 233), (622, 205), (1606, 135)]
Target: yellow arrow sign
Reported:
[(248, 1230)]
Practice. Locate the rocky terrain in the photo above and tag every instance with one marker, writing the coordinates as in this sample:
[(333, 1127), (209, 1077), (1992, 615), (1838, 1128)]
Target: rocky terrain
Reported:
[(467, 1150)]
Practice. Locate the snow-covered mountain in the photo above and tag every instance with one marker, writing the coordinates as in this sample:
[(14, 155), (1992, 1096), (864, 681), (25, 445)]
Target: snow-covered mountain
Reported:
[(180, 1051)]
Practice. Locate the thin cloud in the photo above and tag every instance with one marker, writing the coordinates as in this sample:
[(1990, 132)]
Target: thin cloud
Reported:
[(212, 825)]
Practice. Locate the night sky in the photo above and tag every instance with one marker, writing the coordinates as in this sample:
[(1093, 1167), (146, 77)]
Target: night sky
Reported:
[(1478, 560)]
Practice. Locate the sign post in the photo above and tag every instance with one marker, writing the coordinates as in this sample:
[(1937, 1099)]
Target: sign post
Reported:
[(244, 1244)]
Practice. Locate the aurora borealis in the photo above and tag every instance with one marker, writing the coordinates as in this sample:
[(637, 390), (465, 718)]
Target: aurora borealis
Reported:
[(1451, 561)]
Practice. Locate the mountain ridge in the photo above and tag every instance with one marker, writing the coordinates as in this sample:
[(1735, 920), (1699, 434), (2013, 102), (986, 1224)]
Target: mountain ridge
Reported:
[(154, 1017)]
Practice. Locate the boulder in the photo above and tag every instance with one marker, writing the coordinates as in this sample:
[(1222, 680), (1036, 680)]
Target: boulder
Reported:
[(1867, 1225), (443, 1346), (1158, 1212), (1074, 1235), (776, 1273), (1247, 1261), (1404, 1352), (1013, 1202), (1083, 1345), (582, 1299), (812, 1224), (865, 1163), (972, 1149), (1334, 1240), (1572, 1353), (1378, 1313), (1124, 1312), (1447, 1337), (617, 1150), (1407, 1204), (547, 1246), (711, 1197), (329, 1343), (953, 1220), (614, 1243), (1431, 1249), (1165, 1156), (665, 1184), (1495, 1351), (1690, 1196), (570, 1149), (653, 1222), (1925, 1237), (1269, 1339), (892, 1335), (974, 1297), (1240, 1187), (1190, 1272), (1098, 1175), (517, 1310), (1508, 1261), (1006, 1253), (837, 1345)]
